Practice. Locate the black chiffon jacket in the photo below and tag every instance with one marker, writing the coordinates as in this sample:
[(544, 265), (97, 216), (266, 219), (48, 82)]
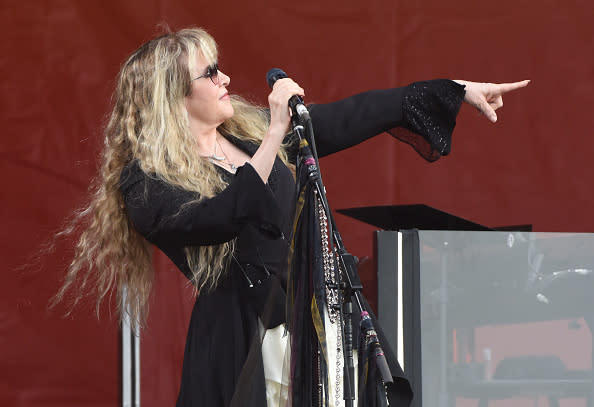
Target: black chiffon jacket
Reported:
[(222, 360)]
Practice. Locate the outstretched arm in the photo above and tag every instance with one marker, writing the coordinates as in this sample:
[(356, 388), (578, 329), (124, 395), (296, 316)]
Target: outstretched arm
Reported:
[(422, 114)]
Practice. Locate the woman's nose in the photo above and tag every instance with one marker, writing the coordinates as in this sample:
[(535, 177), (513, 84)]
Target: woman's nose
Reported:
[(224, 80)]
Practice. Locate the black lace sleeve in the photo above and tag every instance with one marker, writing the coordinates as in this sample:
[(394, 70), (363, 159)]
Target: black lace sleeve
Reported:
[(429, 112)]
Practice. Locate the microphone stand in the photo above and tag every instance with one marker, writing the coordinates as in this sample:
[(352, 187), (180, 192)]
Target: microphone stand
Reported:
[(351, 284)]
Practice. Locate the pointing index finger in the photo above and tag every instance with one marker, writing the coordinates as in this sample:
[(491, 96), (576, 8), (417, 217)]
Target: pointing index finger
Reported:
[(507, 87)]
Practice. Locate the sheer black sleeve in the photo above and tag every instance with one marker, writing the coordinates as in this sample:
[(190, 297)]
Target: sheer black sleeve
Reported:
[(429, 111), (422, 114), (165, 214)]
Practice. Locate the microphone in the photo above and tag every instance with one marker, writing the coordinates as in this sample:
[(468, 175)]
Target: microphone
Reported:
[(296, 102)]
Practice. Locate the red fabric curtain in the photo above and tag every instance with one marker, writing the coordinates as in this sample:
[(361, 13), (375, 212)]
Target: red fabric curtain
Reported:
[(58, 64)]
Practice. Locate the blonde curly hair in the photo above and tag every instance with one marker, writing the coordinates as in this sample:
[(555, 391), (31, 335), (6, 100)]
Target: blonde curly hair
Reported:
[(149, 123)]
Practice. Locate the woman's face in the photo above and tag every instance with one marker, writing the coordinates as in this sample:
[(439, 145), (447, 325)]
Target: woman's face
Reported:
[(209, 104)]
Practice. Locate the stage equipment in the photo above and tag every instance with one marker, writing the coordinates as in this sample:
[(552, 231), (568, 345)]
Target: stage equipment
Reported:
[(130, 351), (489, 315), (322, 284)]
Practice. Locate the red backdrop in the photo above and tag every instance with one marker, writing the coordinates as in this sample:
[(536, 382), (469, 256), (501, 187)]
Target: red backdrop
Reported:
[(58, 63)]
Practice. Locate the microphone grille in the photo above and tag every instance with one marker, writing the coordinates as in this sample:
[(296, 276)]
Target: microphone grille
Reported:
[(274, 75)]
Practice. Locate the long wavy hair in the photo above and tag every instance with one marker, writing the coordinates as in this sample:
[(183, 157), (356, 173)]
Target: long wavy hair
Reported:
[(149, 123)]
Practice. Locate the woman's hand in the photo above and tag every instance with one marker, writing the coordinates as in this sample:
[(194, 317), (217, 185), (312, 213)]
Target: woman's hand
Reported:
[(487, 97), (278, 100), (280, 116)]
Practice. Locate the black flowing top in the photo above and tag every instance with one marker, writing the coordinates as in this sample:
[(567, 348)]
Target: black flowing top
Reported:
[(223, 331)]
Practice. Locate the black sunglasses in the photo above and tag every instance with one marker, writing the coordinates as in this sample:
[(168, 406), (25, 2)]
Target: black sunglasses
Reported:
[(212, 72)]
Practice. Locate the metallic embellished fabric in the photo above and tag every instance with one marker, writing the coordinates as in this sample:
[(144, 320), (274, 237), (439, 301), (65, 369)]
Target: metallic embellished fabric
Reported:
[(331, 275), (429, 109), (334, 300)]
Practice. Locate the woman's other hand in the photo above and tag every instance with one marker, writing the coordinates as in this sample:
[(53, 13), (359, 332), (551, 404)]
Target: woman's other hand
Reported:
[(280, 116), (278, 100), (487, 97)]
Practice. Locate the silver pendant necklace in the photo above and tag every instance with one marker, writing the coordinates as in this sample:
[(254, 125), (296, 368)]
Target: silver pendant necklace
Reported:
[(231, 166), (214, 155), (214, 158)]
